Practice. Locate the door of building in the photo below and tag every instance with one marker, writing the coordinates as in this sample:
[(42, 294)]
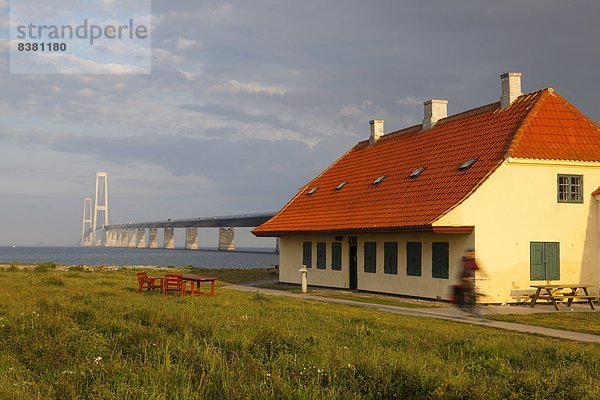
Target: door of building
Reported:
[(353, 262), (545, 261)]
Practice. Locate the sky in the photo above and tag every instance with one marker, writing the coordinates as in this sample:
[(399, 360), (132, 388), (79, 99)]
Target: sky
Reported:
[(247, 101)]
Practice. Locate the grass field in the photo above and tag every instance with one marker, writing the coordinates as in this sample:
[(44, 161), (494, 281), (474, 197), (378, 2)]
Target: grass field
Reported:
[(375, 300), (90, 335), (586, 322)]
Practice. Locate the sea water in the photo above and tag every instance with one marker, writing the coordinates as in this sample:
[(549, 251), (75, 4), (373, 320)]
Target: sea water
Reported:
[(204, 258)]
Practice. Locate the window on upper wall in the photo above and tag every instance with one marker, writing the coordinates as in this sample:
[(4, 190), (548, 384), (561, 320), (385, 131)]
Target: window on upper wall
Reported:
[(321, 250), (370, 256), (390, 260), (336, 256), (413, 258), (570, 188), (307, 254)]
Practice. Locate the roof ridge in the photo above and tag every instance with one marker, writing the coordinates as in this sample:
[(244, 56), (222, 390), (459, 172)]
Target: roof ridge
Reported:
[(468, 113), (453, 117)]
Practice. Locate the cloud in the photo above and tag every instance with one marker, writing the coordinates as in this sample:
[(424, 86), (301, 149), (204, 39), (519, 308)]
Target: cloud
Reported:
[(184, 44), (409, 101), (71, 64), (233, 87)]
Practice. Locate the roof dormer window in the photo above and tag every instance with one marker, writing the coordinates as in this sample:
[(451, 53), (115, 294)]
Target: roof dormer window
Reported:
[(379, 180), (417, 172), (313, 190), (341, 185), (467, 164)]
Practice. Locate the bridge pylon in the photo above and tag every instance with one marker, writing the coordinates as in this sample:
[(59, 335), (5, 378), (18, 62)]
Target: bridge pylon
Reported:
[(86, 230), (100, 209)]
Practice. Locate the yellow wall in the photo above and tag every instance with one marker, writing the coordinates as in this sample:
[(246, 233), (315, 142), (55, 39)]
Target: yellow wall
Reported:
[(518, 205), (420, 286)]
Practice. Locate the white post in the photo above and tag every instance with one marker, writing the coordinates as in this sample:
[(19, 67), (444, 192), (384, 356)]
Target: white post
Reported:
[(304, 278)]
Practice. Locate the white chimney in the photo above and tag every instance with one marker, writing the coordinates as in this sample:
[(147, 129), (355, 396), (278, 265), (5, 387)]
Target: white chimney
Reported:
[(511, 88), (376, 130), (434, 111)]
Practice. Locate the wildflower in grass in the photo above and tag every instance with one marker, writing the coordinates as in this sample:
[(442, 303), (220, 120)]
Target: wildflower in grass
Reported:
[(97, 360)]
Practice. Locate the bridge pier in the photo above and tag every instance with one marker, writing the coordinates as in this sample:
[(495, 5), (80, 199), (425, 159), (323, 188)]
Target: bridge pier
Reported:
[(141, 238), (112, 238), (169, 238), (131, 237), (152, 238), (123, 238), (191, 238), (226, 239), (108, 238)]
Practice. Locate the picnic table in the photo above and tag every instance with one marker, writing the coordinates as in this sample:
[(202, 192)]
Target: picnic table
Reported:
[(195, 281), (557, 292)]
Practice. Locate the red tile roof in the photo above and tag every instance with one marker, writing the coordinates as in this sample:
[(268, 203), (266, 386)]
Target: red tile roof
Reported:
[(536, 125)]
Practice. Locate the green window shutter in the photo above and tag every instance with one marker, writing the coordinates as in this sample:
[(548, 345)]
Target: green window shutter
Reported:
[(413, 258), (307, 254), (390, 262), (321, 249), (537, 267), (336, 256), (441, 266), (551, 251), (370, 256)]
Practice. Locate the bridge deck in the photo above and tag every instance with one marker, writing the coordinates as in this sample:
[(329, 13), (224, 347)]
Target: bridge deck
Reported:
[(242, 220)]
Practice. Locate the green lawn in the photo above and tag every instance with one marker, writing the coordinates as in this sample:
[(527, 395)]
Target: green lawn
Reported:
[(375, 300), (587, 322), (90, 335)]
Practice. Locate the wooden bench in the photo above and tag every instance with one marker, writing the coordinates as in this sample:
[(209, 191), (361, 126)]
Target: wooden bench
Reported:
[(589, 298)]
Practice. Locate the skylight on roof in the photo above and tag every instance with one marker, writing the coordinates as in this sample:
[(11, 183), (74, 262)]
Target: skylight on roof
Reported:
[(312, 190), (467, 164), (341, 185), (378, 180), (417, 172)]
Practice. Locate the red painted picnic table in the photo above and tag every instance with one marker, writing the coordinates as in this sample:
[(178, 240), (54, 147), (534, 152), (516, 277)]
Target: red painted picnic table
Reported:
[(196, 280)]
